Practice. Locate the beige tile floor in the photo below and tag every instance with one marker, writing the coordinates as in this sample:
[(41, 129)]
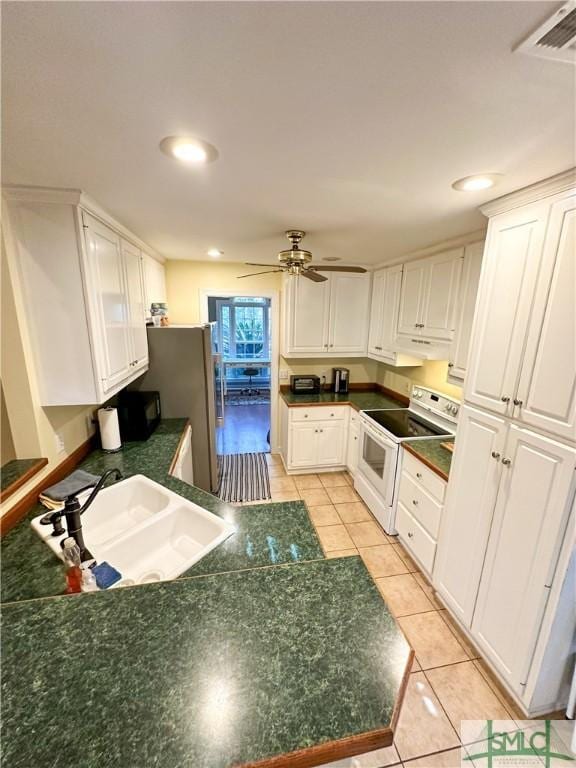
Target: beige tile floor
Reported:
[(449, 682)]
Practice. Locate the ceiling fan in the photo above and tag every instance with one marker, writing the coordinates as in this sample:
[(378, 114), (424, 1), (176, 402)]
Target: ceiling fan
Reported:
[(296, 261)]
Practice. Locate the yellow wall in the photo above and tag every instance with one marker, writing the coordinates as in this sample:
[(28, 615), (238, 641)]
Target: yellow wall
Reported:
[(33, 427), (431, 374), (186, 279)]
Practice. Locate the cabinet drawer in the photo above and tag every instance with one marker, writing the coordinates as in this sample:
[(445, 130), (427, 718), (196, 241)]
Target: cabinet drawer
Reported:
[(424, 477), (415, 538), (421, 505), (321, 413)]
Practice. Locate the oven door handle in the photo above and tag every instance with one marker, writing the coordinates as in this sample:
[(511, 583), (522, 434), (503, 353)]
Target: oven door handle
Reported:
[(385, 442)]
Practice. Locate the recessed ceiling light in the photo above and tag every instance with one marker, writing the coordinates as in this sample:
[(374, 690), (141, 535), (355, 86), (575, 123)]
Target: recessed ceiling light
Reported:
[(189, 150), (214, 252), (477, 182), (331, 258)]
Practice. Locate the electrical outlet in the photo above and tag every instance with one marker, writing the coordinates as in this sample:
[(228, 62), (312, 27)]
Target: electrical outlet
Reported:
[(59, 441), (284, 374)]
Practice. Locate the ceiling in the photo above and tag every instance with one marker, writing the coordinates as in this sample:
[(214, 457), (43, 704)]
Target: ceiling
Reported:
[(347, 119)]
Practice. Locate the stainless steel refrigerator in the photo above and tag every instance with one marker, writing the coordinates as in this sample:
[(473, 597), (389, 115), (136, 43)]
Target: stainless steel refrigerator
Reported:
[(187, 372)]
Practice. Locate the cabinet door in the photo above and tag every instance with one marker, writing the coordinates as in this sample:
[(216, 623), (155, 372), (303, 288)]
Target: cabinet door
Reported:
[(375, 345), (470, 499), (154, 281), (353, 448), (528, 528), (303, 440), (465, 313), (546, 396), (413, 279), (511, 262), (136, 303), (331, 445), (349, 313), (111, 331), (440, 293), (307, 316)]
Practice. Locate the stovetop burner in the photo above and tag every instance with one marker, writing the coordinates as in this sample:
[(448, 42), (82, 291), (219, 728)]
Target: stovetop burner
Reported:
[(405, 424)]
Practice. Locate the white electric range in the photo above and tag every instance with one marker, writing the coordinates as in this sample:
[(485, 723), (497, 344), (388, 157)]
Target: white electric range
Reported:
[(429, 415)]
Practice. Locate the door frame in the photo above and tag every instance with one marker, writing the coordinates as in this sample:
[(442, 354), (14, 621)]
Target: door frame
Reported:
[(274, 296)]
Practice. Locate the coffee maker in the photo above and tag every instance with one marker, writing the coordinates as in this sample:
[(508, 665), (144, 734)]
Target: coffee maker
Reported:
[(341, 379)]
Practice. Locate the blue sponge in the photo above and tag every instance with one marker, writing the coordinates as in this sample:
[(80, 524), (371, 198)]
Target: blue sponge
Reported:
[(105, 575)]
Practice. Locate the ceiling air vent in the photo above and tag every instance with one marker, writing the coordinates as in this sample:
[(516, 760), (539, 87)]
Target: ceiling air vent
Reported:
[(554, 39)]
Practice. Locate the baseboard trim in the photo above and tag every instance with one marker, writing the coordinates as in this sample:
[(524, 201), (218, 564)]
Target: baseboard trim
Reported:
[(22, 507)]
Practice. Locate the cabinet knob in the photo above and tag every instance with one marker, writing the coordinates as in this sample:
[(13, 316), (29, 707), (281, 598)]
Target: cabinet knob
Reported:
[(495, 455), (355, 437), (331, 414), (316, 431), (505, 399), (415, 502), (450, 365), (419, 475), (410, 535), (517, 402), (305, 415), (506, 462)]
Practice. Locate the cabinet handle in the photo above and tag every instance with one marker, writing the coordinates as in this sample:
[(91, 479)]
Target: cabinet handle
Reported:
[(450, 365), (305, 415), (495, 455), (331, 414), (355, 438), (316, 431), (517, 402), (410, 535), (505, 399), (506, 462), (419, 475), (415, 502)]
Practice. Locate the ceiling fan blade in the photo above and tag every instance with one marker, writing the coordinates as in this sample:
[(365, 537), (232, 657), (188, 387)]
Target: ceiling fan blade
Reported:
[(255, 274), (321, 268), (252, 264), (313, 276)]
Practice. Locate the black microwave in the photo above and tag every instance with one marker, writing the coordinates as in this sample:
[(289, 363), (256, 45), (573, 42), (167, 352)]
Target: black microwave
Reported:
[(139, 414), (301, 385)]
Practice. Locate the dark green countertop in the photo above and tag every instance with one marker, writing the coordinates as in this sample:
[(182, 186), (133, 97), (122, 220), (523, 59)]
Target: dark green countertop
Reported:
[(268, 534), (362, 401), (263, 648), (14, 472), (208, 672), (433, 454)]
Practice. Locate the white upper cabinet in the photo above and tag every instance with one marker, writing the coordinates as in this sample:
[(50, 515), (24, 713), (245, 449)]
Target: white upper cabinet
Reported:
[(460, 347), (429, 297), (349, 313), (154, 282), (527, 530), (386, 286), (109, 302), (546, 393), (523, 347), (81, 277), (328, 318), (509, 272), (134, 264)]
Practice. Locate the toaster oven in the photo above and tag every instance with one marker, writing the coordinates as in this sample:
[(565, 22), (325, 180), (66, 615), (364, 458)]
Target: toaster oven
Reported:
[(305, 385)]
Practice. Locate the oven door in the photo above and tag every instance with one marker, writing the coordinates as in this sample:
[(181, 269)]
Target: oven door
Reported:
[(378, 462)]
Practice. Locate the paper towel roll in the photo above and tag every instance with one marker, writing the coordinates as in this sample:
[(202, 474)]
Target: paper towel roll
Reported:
[(109, 429)]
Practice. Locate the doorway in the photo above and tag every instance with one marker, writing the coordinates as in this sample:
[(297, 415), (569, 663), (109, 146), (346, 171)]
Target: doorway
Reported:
[(244, 341)]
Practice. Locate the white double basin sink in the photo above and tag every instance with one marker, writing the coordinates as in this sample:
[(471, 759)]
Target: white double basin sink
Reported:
[(145, 531)]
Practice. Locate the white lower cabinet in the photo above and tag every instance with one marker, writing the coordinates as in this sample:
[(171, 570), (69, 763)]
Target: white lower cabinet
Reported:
[(419, 511), (353, 449), (527, 530), (314, 437), (506, 516)]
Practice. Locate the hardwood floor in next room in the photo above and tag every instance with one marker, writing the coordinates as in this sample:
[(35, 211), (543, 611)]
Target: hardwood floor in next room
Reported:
[(449, 681), (245, 429)]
